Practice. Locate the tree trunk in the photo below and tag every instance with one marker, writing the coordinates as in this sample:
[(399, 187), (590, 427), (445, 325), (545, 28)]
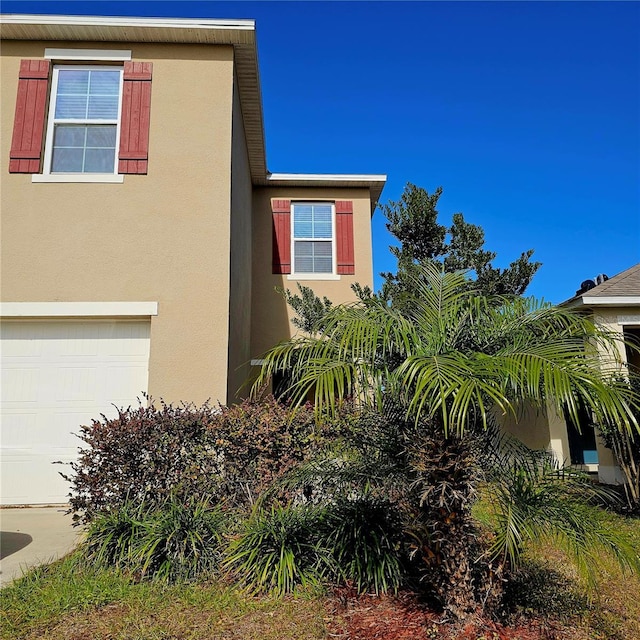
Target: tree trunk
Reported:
[(446, 537)]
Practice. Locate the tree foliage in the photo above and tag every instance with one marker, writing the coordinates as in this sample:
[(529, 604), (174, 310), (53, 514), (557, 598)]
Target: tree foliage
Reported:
[(413, 221), (309, 308), (449, 359)]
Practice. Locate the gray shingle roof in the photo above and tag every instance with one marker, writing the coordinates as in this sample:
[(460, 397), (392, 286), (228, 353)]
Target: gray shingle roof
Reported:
[(626, 283)]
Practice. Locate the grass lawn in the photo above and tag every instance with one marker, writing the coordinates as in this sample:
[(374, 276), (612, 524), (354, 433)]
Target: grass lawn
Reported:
[(72, 601)]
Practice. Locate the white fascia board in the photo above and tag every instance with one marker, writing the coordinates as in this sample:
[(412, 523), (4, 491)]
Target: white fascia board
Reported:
[(76, 309), (108, 21), (617, 301), (327, 177)]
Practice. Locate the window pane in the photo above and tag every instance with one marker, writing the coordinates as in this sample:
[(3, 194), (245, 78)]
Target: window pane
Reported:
[(322, 249), (106, 83), (67, 160), (312, 221), (99, 160), (101, 135), (302, 221), (103, 108), (322, 221), (88, 94), (73, 81), (71, 107), (322, 265), (322, 230), (322, 262), (69, 135), (304, 248), (313, 257), (84, 149)]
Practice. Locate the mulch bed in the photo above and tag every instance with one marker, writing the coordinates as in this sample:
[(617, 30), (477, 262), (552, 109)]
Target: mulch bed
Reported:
[(369, 617)]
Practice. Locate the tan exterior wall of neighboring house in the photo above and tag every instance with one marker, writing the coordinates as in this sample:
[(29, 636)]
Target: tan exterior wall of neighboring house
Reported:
[(548, 430), (271, 317), (540, 429), (160, 237), (240, 269), (613, 319)]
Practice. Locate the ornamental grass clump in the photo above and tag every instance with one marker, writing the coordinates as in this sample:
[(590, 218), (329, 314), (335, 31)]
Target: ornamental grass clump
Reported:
[(278, 549), (363, 537), (174, 542)]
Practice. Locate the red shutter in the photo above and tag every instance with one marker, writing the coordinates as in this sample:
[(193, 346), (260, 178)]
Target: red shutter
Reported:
[(136, 113), (344, 237), (281, 236), (28, 126)]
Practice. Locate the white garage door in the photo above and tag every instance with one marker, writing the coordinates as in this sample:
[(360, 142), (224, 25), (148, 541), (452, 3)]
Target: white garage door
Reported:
[(56, 376)]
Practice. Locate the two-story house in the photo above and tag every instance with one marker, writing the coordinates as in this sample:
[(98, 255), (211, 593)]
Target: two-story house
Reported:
[(142, 235)]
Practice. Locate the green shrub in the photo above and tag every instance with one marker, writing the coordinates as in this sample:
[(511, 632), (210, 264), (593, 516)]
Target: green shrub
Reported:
[(363, 536), (174, 542), (277, 549)]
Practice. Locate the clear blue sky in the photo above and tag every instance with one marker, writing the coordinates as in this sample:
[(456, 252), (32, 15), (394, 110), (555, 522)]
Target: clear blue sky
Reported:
[(528, 114)]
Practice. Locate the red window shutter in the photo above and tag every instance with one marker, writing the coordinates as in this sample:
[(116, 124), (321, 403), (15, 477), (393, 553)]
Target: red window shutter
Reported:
[(344, 237), (281, 236), (136, 113), (28, 125)]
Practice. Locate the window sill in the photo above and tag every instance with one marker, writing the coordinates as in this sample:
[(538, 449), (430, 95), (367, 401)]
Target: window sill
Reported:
[(77, 177), (313, 276)]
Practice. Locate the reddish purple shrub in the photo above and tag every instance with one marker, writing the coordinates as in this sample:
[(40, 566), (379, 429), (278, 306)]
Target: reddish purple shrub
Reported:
[(226, 454)]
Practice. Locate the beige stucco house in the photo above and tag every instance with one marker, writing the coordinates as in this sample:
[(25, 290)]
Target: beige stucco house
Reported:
[(142, 235), (614, 304)]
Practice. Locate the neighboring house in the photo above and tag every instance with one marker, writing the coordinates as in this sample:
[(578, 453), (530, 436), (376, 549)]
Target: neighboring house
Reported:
[(615, 305), (142, 235)]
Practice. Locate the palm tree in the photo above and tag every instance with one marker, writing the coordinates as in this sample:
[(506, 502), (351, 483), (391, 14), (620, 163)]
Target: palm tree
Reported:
[(451, 359)]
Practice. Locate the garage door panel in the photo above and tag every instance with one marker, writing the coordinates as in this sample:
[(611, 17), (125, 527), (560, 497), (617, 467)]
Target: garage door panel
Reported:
[(15, 344), (35, 479), (131, 342), (18, 431), (76, 384), (76, 372), (20, 384)]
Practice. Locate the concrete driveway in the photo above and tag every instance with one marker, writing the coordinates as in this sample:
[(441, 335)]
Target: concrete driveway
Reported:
[(33, 536)]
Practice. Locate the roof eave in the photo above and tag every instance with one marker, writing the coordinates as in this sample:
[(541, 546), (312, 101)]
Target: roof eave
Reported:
[(588, 302), (374, 182)]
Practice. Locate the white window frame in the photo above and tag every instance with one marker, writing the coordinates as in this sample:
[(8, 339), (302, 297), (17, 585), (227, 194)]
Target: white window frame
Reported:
[(47, 175), (329, 275)]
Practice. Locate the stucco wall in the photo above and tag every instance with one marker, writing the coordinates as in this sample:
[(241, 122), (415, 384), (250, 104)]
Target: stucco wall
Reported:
[(240, 272), (271, 317), (539, 428), (162, 237), (608, 319)]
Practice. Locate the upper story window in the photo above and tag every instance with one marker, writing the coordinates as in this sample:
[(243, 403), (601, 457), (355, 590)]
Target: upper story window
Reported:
[(83, 129), (313, 238), (87, 120)]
